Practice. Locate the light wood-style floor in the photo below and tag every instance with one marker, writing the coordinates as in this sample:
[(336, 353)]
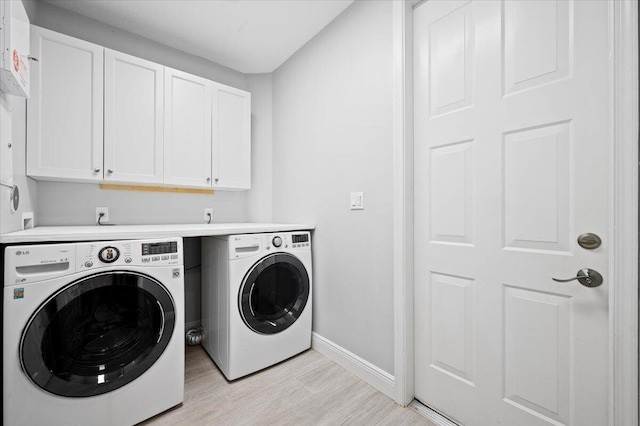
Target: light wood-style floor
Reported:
[(308, 389)]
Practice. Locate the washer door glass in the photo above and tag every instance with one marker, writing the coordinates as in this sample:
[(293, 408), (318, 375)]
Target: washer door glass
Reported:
[(97, 334), (274, 293)]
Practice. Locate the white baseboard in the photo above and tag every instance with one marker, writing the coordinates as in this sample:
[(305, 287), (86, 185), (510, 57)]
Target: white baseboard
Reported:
[(366, 371)]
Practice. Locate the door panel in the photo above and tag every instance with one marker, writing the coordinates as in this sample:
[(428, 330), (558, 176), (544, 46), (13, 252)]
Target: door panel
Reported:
[(231, 138), (187, 122), (64, 114), (537, 350), (536, 205), (452, 326), (452, 193), (533, 56), (512, 162), (133, 133)]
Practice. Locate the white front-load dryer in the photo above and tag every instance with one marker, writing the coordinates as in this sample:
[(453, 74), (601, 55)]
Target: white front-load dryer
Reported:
[(92, 332), (256, 299)]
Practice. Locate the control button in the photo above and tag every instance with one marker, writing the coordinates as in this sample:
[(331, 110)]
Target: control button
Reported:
[(277, 241), (154, 258), (109, 254), (166, 257), (146, 259), (174, 256), (127, 260), (88, 264)]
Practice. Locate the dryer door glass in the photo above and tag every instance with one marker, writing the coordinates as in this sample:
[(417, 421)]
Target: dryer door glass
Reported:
[(97, 334), (274, 293)]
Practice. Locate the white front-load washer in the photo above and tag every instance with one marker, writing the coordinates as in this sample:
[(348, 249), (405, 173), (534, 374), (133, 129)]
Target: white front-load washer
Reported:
[(256, 299), (92, 332)]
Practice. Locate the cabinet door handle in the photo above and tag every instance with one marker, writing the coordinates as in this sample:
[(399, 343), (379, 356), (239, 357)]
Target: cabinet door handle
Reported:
[(96, 170), (109, 170), (216, 179), (208, 179)]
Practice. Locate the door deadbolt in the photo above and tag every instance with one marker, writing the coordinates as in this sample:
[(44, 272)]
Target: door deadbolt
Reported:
[(589, 241)]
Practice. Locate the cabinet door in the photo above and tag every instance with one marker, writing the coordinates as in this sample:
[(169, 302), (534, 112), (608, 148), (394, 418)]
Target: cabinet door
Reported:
[(187, 129), (64, 114), (133, 132), (231, 138)]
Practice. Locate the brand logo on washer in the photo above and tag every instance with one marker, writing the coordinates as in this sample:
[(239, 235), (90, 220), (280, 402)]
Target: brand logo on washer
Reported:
[(109, 254), (176, 273)]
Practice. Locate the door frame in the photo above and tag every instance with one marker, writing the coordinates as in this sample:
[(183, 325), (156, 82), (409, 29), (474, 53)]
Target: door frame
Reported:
[(623, 207)]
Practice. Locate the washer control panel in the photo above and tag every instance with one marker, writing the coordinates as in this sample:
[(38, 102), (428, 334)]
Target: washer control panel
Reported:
[(33, 263), (129, 253)]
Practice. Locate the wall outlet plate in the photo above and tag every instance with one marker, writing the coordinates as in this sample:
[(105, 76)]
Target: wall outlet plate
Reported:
[(208, 215), (28, 221), (105, 218)]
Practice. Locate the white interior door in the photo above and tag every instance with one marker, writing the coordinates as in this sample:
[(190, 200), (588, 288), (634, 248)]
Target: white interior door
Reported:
[(512, 163)]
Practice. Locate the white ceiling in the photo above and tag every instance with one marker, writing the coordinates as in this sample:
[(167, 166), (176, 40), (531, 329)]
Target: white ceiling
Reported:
[(250, 36)]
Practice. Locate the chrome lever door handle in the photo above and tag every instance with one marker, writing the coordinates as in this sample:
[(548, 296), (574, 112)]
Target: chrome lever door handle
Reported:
[(585, 276), (565, 281)]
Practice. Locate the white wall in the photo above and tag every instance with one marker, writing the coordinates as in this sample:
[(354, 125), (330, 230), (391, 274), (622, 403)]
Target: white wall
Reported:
[(260, 196), (12, 128), (75, 25), (332, 134)]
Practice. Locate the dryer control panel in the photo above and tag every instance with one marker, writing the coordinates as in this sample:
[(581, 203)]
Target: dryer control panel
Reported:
[(246, 245)]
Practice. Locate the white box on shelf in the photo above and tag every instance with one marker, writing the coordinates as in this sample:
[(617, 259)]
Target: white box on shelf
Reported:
[(14, 49)]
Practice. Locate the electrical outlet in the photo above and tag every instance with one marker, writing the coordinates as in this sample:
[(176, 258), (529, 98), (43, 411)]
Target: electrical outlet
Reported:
[(105, 217), (208, 215)]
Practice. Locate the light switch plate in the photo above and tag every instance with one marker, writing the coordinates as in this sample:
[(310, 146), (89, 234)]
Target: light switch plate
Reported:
[(357, 201)]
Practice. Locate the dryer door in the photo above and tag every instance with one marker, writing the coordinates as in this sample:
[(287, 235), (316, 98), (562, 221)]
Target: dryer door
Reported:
[(97, 334), (274, 293)]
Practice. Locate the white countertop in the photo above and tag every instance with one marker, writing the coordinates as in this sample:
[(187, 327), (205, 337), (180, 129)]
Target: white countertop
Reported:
[(139, 232)]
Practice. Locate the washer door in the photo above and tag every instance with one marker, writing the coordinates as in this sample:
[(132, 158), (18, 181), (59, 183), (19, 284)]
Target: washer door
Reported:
[(97, 334), (274, 293)]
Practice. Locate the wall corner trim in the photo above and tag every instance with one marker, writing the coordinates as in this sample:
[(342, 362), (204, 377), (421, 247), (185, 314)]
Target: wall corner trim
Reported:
[(375, 376)]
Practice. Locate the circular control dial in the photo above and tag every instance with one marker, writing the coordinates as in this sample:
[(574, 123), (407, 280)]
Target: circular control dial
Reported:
[(109, 254), (277, 241)]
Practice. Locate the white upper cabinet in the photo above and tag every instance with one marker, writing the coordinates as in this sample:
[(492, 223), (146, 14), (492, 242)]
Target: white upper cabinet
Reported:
[(187, 129), (133, 119), (231, 156), (64, 119), (97, 115)]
